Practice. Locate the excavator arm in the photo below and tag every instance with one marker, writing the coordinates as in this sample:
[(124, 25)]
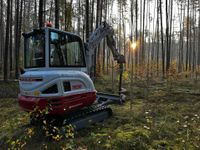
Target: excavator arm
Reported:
[(104, 31)]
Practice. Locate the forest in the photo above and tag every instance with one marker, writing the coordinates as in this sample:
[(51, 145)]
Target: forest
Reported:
[(149, 56)]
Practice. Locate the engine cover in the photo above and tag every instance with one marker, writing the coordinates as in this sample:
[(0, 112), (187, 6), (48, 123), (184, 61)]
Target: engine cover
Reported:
[(62, 90)]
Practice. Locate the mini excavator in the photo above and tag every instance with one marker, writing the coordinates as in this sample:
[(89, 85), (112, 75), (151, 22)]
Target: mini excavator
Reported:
[(57, 65)]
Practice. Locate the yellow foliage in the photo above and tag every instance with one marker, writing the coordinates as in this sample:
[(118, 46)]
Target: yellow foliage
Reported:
[(126, 75), (30, 132), (172, 72)]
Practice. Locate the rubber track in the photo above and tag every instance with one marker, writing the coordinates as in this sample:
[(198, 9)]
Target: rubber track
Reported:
[(79, 114), (85, 113)]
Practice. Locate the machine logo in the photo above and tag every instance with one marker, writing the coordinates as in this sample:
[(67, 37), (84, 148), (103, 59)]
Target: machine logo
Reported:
[(76, 86)]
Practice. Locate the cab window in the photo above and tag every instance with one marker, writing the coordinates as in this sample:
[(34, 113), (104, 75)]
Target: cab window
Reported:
[(66, 50)]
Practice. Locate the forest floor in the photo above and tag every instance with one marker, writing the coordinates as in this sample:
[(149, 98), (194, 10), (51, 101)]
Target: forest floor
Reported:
[(157, 116)]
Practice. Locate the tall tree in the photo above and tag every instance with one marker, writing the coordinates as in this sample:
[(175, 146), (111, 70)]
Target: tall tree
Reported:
[(167, 37), (199, 38), (181, 35), (143, 34), (35, 20), (11, 39), (97, 25), (79, 17), (1, 33), (66, 15), (187, 24), (162, 40), (16, 37), (19, 12), (7, 42), (57, 11), (104, 42), (158, 38), (87, 20), (136, 34), (92, 16), (170, 33), (41, 11)]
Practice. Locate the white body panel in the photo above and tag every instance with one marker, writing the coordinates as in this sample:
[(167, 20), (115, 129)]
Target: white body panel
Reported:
[(79, 81)]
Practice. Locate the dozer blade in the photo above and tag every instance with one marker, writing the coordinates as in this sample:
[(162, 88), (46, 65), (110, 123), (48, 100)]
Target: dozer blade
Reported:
[(106, 99)]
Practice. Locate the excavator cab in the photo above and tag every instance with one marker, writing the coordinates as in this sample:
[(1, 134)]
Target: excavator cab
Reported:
[(53, 49)]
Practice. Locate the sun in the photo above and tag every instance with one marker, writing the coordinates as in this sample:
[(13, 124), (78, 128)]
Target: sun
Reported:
[(133, 45)]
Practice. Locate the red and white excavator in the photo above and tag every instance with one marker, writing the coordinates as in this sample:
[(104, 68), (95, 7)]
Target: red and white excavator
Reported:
[(56, 72)]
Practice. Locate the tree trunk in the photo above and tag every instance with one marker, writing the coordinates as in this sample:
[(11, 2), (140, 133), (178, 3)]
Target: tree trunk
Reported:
[(136, 37), (28, 16), (11, 37), (16, 38), (57, 11), (158, 39), (79, 17), (35, 23), (87, 20), (97, 25), (7, 42), (143, 34), (187, 24), (124, 31), (2, 35), (170, 33), (194, 40), (25, 18), (66, 16), (180, 64), (131, 38), (92, 17), (40, 19), (199, 38), (104, 41), (162, 40), (167, 37), (44, 12), (190, 44)]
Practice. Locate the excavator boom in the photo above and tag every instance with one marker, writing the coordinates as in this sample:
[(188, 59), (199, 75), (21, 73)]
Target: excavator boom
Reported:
[(104, 31)]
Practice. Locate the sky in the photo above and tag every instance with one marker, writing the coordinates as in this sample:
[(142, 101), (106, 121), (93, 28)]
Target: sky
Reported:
[(153, 7)]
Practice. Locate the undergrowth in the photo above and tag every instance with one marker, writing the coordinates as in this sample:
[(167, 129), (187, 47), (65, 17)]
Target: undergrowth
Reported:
[(168, 119)]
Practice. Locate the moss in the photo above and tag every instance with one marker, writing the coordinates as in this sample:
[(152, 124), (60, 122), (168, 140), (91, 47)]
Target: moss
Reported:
[(160, 144), (167, 120), (136, 139)]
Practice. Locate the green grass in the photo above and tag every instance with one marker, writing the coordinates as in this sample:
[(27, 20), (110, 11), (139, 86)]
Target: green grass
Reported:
[(166, 118)]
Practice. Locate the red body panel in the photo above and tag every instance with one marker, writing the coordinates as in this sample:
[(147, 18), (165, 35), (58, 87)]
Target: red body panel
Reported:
[(59, 105)]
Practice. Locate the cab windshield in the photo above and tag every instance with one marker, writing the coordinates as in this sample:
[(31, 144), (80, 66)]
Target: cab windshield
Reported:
[(35, 50), (65, 50)]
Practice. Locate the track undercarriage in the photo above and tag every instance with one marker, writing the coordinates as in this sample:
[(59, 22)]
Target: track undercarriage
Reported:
[(85, 117)]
